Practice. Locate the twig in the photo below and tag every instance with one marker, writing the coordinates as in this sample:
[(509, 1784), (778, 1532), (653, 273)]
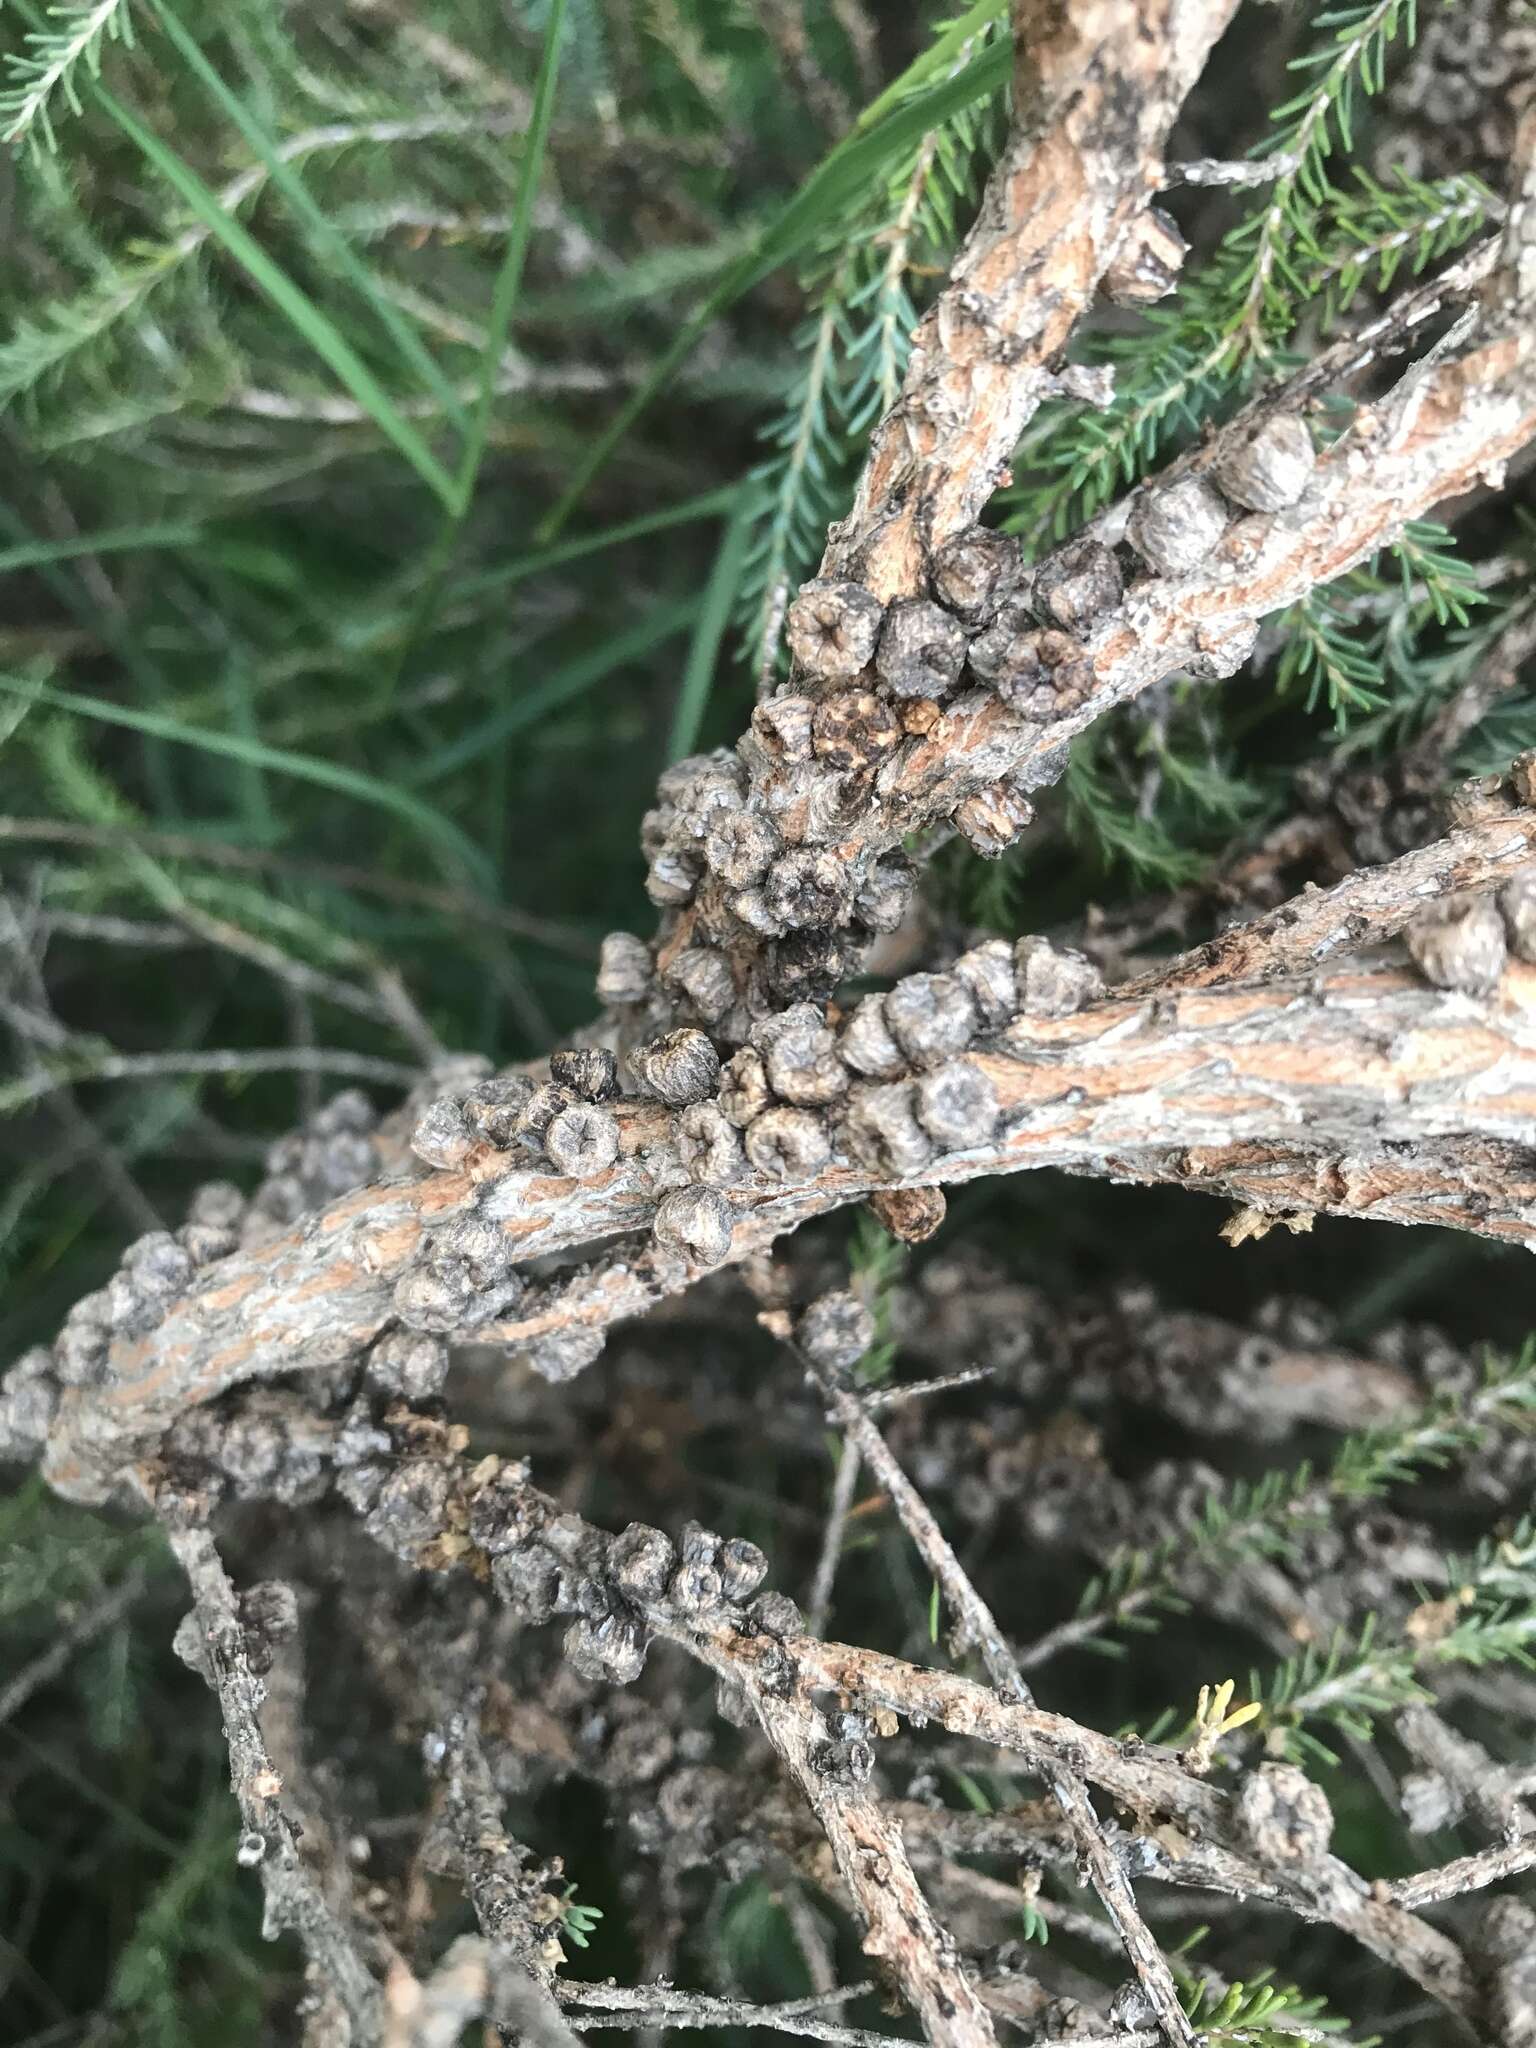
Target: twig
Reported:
[(520, 1996), (832, 1538), (1363, 1092), (605, 2005), (978, 1626), (1465, 1874), (294, 1900), (1073, 178), (873, 1864), (1366, 909), (154, 1066)]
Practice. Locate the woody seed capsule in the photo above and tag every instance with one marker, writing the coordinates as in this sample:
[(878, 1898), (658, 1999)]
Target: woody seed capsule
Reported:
[(921, 649), (1050, 675), (673, 876), (493, 1108), (1268, 469), (884, 896), (708, 1145), (1078, 585), (158, 1266), (640, 1561), (1176, 527), (781, 726), (697, 1221), (881, 1130), (866, 1043), (957, 1105), (538, 1112), (744, 1090), (911, 1214), (442, 1137), (855, 730), (408, 1364), (832, 627), (987, 973), (1147, 263), (703, 975), (1054, 981), (590, 1071), (624, 969), (742, 1568), (930, 1016), (990, 821), (679, 1068), (29, 1400), (217, 1203), (972, 573), (1282, 1815), (582, 1140), (800, 1056), (788, 1144), (1008, 645), (808, 888), (81, 1349), (739, 846), (1459, 944)]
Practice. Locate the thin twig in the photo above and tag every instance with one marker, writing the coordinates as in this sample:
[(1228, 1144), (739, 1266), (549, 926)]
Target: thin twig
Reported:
[(978, 1626)]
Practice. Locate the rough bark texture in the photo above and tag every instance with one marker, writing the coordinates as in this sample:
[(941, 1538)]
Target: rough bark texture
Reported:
[(1102, 83), (1363, 1092)]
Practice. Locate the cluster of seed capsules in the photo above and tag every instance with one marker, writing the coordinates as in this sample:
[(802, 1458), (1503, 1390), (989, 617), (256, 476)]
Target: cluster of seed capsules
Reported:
[(886, 1087), (548, 1565), (333, 1152), (760, 841)]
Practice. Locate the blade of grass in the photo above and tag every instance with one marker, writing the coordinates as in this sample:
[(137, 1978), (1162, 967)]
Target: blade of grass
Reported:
[(503, 305), (77, 592), (428, 823), (709, 630), (559, 687), (510, 276), (708, 505), (829, 188), (306, 318), (112, 541), (328, 240)]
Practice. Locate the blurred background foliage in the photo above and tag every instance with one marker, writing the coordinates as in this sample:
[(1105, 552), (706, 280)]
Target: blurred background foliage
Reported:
[(408, 446)]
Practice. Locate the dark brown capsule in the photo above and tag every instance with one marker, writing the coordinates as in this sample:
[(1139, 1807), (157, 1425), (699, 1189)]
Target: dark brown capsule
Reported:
[(921, 651), (590, 1071)]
